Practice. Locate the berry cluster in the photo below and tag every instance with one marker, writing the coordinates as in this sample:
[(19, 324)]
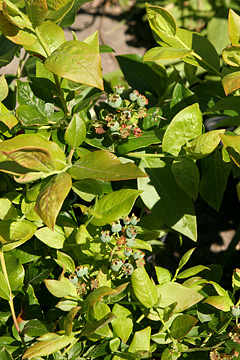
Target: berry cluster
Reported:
[(214, 355), (121, 240), (81, 280), (124, 121)]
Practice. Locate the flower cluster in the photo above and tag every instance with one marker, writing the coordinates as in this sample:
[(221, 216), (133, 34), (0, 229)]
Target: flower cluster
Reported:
[(214, 355), (122, 238), (124, 121)]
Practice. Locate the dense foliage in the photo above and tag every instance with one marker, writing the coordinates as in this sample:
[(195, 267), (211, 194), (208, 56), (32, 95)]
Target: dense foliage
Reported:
[(93, 175)]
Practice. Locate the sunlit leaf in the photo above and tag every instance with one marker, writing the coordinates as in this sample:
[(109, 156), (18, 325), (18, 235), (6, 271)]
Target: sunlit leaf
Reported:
[(51, 198)]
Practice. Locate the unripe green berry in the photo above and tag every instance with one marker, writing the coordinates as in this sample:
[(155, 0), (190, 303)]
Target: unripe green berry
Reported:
[(134, 95), (116, 227), (105, 236), (131, 232), (134, 219), (73, 278), (235, 311), (127, 269), (119, 89), (138, 254), (81, 270), (128, 251), (130, 242), (116, 264), (114, 100)]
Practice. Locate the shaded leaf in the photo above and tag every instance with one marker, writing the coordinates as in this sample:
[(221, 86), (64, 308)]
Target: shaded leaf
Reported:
[(147, 138), (232, 144), (181, 326), (220, 302), (162, 195), (68, 321), (214, 177), (97, 295), (186, 175), (91, 328)]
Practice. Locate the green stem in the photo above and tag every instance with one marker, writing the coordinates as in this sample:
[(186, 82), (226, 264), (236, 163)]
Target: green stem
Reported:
[(10, 301), (166, 327), (70, 155)]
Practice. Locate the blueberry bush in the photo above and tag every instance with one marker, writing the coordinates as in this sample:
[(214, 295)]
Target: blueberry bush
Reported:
[(95, 174)]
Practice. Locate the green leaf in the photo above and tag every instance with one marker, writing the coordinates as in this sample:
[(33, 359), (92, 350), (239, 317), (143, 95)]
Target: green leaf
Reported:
[(185, 258), (186, 175), (61, 288), (103, 165), (185, 126), (172, 292), (123, 323), (214, 177), (163, 275), (16, 28), (93, 327), (181, 326), (144, 288), (56, 4), (232, 144), (54, 239), (159, 53), (7, 210), (204, 144), (96, 295), (9, 120), (140, 75), (5, 354), (24, 140), (44, 348), (37, 11), (218, 38), (4, 288), (35, 328), (234, 27), (7, 50), (71, 61), (231, 55), (53, 36), (192, 271), (3, 88), (65, 261), (147, 138), (87, 189), (228, 103), (12, 231), (115, 205), (167, 34), (31, 157), (50, 199), (75, 133), (68, 321), (222, 303), (231, 82), (141, 340), (162, 195)]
